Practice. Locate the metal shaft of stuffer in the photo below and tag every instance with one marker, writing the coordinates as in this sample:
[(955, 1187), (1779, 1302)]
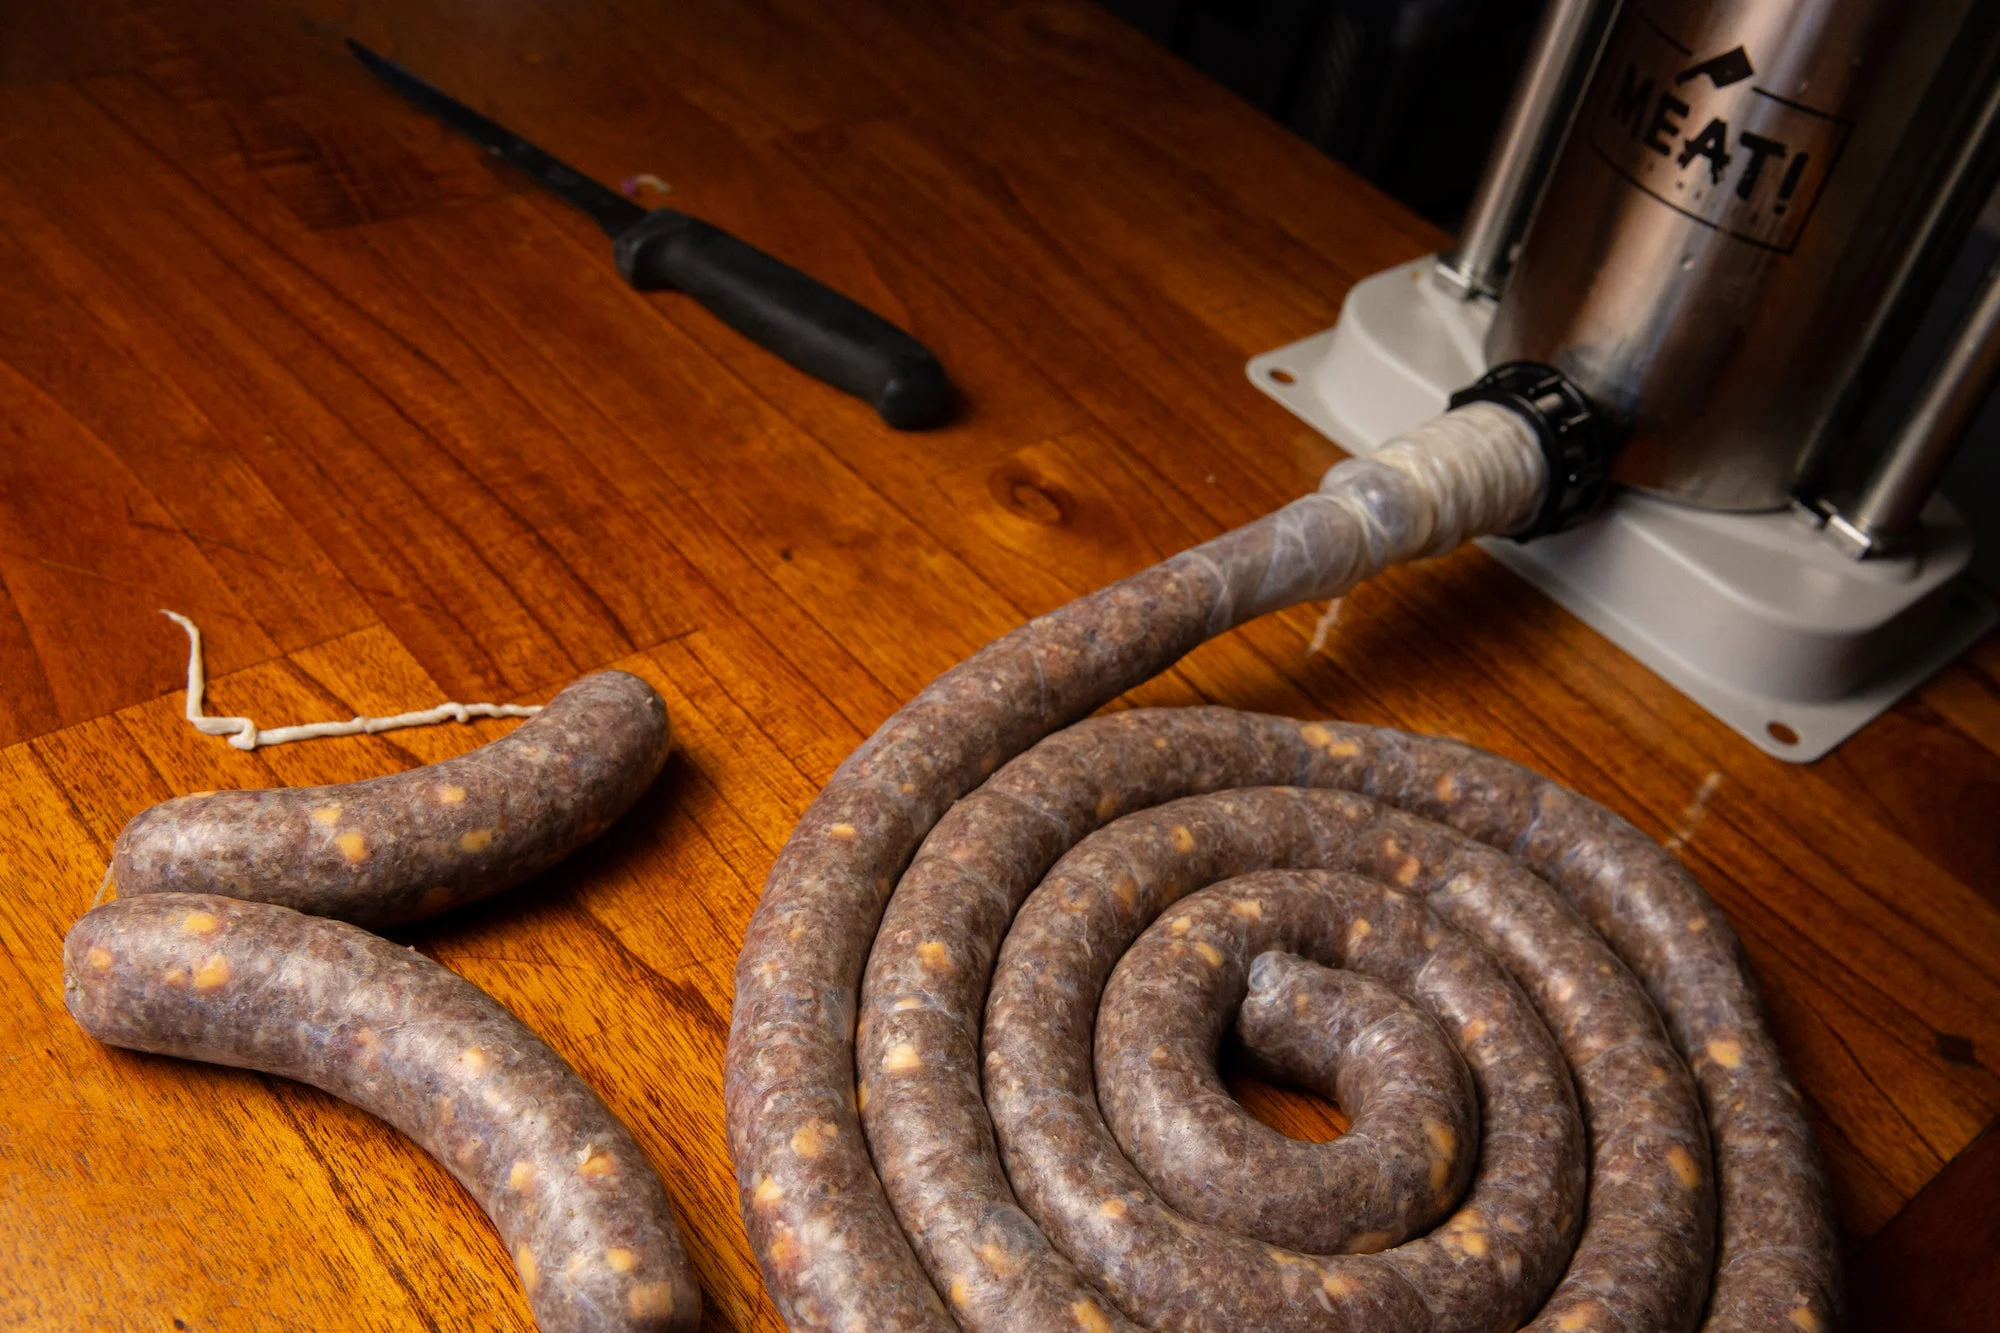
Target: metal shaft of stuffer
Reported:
[(1903, 481), (1537, 118)]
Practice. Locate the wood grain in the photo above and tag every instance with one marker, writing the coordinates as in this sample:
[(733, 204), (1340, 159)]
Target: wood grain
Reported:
[(282, 354), (1914, 1273)]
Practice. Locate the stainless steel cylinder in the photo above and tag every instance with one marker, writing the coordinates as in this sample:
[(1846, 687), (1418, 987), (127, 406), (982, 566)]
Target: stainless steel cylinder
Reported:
[(1741, 197)]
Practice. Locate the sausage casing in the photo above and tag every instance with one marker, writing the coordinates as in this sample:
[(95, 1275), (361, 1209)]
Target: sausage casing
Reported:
[(1398, 1170), (890, 902), (415, 843), (261, 987)]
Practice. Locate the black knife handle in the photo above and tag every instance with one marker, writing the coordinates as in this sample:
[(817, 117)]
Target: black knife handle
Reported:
[(790, 313)]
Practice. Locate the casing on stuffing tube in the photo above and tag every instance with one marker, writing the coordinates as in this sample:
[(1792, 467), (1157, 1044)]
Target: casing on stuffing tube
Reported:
[(1578, 445)]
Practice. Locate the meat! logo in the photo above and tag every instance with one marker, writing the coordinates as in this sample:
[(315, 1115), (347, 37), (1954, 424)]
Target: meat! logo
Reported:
[(1695, 131)]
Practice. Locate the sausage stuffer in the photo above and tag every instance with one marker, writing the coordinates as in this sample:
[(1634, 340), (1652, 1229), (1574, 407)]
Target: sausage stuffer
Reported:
[(1720, 221)]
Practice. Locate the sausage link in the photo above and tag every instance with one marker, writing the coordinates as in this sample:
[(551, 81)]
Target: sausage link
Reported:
[(1636, 976), (212, 978), (416, 843), (1395, 1173)]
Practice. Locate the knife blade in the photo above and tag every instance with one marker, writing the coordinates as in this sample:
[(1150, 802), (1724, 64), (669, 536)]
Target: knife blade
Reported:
[(790, 313)]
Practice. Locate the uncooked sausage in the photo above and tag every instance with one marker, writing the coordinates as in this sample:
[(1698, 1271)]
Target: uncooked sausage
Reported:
[(211, 978), (1395, 1173), (1003, 1201), (416, 843)]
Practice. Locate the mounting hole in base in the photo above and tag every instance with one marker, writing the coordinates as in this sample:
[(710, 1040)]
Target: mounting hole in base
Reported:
[(1782, 734), (1283, 376)]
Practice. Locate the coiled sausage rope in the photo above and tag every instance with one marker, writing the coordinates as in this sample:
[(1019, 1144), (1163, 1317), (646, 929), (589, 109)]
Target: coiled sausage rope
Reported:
[(1058, 919)]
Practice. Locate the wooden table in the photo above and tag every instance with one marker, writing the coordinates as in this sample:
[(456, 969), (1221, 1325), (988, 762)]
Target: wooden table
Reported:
[(280, 353)]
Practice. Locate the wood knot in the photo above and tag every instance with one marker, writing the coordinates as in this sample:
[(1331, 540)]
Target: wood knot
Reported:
[(1027, 496)]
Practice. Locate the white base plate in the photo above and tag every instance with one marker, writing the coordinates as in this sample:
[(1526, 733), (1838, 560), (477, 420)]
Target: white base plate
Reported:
[(1756, 617)]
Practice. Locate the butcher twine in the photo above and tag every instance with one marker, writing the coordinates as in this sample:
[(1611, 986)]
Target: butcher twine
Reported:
[(247, 735)]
